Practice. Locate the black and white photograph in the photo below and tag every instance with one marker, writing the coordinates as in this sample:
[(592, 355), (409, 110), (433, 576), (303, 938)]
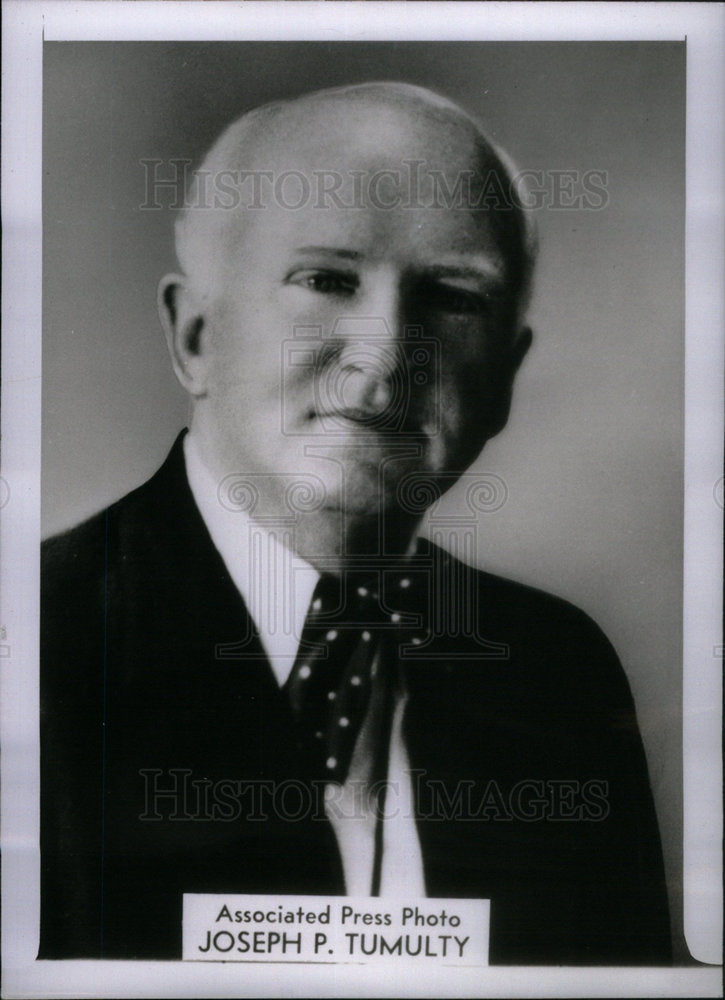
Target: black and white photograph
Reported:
[(367, 637)]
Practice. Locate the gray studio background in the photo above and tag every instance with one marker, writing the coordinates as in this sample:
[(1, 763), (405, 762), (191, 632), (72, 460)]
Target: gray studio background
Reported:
[(592, 457)]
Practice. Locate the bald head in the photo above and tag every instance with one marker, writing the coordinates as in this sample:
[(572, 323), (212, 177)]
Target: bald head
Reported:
[(381, 146), (356, 262)]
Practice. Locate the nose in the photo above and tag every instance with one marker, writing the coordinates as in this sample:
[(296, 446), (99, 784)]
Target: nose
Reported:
[(368, 381)]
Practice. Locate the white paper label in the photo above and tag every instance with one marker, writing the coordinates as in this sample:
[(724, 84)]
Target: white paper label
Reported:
[(242, 928)]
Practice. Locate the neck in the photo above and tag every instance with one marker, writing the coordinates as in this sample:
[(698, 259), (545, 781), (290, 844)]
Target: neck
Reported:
[(335, 543), (332, 539)]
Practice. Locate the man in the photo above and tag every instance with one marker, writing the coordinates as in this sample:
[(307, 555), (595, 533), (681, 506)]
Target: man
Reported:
[(259, 620)]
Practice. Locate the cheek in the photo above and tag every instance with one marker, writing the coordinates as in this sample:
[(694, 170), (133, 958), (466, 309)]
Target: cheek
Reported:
[(467, 395), (246, 345), (267, 337), (467, 369)]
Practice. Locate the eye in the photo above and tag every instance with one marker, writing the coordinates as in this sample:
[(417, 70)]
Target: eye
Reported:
[(326, 282), (452, 299)]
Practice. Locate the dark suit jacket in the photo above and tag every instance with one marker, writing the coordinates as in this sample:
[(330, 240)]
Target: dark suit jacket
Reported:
[(531, 784)]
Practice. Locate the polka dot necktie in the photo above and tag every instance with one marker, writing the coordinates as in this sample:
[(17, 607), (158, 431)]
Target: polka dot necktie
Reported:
[(330, 684)]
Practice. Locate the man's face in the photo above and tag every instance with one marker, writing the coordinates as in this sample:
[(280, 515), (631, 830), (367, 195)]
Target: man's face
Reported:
[(348, 347)]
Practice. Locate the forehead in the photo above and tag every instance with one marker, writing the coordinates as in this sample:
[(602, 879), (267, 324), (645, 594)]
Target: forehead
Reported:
[(376, 178), (326, 131)]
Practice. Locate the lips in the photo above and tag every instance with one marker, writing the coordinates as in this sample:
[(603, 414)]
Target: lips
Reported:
[(386, 424), (353, 415)]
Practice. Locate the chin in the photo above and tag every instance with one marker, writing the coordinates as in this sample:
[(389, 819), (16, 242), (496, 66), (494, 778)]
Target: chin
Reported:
[(358, 505)]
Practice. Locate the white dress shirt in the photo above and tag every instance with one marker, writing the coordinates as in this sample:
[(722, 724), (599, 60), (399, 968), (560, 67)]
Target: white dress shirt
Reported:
[(276, 587)]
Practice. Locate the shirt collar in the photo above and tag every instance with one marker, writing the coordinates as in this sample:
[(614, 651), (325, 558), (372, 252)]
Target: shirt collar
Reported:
[(275, 584)]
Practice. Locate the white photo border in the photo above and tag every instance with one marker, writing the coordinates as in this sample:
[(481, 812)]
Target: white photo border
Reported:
[(26, 24)]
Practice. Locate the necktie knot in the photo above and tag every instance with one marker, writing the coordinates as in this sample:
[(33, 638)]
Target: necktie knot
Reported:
[(337, 665)]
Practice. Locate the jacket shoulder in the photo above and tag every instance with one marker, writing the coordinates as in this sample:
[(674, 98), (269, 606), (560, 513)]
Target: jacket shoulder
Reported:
[(552, 642), (75, 557), (74, 565), (514, 603), (73, 551), (539, 609)]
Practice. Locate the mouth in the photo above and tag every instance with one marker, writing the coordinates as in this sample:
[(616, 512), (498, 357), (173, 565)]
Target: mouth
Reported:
[(354, 416), (388, 422)]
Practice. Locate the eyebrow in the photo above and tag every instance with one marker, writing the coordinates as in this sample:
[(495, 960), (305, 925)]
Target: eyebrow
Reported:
[(331, 252), (485, 269)]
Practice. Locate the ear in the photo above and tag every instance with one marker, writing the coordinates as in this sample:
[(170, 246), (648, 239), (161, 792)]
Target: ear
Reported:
[(520, 348), (515, 354), (184, 327)]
